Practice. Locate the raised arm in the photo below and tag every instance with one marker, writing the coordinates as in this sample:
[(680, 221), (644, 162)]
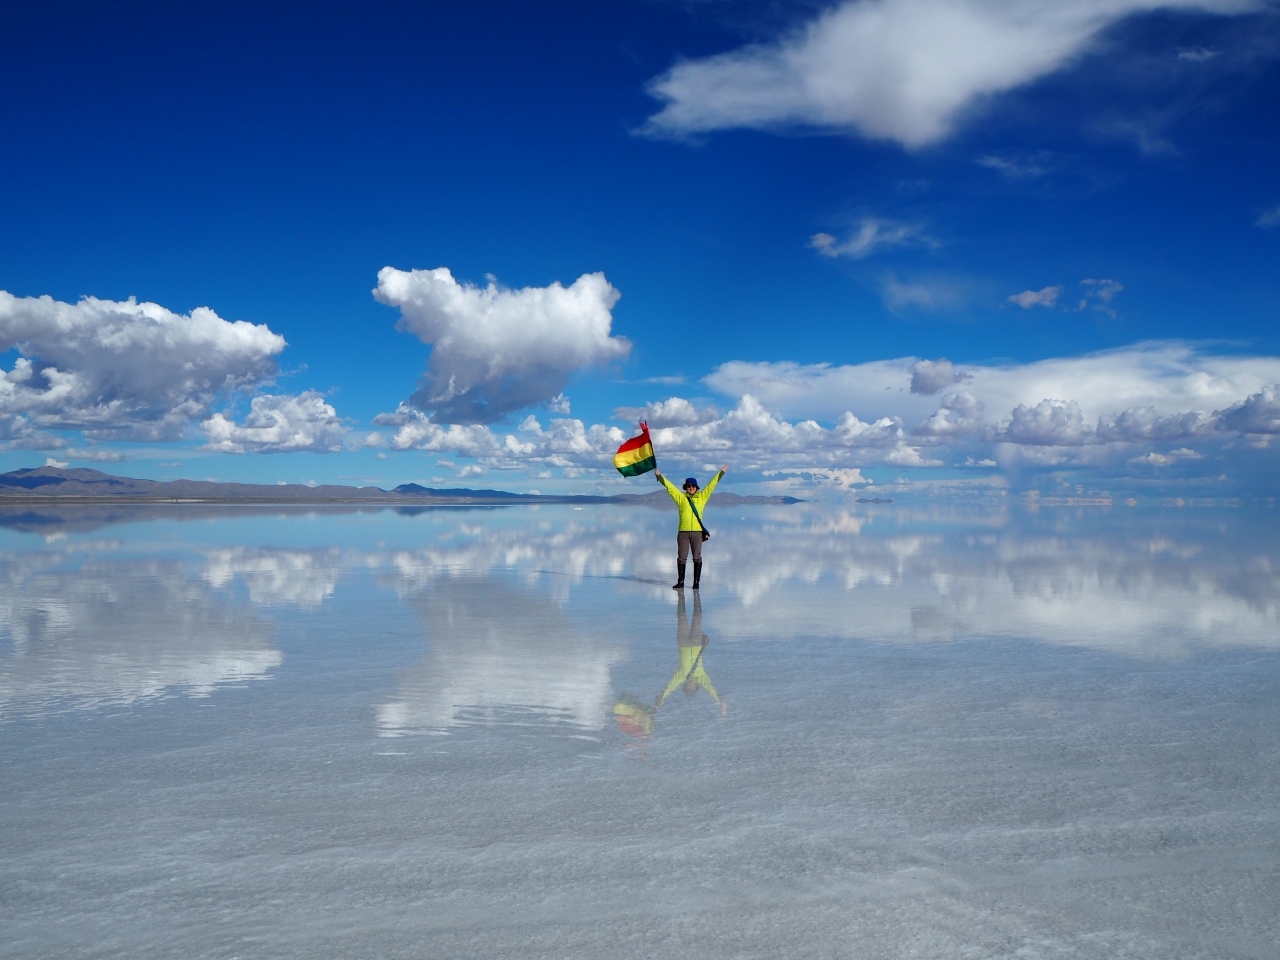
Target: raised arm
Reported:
[(672, 489), (705, 492)]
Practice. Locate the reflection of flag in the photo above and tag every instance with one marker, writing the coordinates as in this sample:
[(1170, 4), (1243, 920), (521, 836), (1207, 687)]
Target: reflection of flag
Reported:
[(636, 455)]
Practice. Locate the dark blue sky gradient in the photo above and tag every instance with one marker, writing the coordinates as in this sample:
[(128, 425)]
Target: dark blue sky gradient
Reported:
[(267, 159)]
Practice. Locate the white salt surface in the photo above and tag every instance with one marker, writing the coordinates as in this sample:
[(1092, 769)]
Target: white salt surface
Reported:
[(371, 735)]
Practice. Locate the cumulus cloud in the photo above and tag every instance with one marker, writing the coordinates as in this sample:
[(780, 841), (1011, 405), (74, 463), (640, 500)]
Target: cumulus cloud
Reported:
[(495, 351), (930, 376), (672, 412), (960, 415), (900, 70), (752, 435), (1104, 410), (1045, 297), (1169, 377), (871, 236), (122, 369), (279, 424), (1050, 423), (1143, 424), (1257, 414)]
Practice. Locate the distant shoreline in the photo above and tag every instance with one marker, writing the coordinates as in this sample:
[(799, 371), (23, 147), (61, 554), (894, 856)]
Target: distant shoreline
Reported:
[(55, 485)]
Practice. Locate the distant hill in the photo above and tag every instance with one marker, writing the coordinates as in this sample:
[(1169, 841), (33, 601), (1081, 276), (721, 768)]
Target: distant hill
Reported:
[(81, 485)]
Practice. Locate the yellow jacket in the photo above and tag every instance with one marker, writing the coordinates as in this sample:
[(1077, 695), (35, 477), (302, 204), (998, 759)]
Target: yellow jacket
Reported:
[(687, 520)]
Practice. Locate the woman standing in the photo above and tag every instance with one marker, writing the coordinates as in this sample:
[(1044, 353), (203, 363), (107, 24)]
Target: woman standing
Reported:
[(692, 531)]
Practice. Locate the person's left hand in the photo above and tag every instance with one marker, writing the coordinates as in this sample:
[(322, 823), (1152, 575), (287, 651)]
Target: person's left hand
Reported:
[(724, 469)]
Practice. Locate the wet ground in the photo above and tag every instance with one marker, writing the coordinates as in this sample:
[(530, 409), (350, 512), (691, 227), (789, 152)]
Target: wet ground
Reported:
[(877, 731)]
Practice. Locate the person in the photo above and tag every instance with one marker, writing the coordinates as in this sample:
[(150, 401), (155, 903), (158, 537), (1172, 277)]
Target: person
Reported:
[(690, 502)]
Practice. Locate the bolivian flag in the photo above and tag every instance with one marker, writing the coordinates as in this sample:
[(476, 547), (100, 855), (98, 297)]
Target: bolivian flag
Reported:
[(636, 455)]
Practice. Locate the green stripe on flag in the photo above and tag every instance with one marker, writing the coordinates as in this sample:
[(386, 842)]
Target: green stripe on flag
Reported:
[(639, 467)]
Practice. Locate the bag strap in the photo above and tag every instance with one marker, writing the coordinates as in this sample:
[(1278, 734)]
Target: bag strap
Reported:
[(697, 516)]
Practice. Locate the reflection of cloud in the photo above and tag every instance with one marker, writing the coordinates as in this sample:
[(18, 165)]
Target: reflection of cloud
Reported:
[(115, 632), (809, 571), (1105, 592), (301, 577), (499, 656)]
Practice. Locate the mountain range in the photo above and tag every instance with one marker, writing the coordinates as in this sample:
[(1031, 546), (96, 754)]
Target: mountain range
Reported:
[(84, 485)]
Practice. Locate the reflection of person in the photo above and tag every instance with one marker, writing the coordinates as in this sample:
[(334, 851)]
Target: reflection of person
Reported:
[(692, 672), (690, 503), (635, 717)]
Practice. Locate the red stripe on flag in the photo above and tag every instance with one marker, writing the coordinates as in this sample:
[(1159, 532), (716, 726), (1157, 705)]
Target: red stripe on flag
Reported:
[(635, 442)]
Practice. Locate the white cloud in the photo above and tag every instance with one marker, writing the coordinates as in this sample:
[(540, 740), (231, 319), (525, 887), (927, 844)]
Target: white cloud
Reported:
[(1050, 423), (122, 369), (920, 294), (871, 236), (1257, 414), (959, 415), (1269, 218), (1139, 424), (930, 376), (837, 478), (279, 424), (672, 412), (56, 464), (1170, 377), (96, 456), (1164, 459), (1197, 54), (1045, 297), (902, 70), (494, 350), (749, 434), (1104, 290), (1101, 409), (1014, 169)]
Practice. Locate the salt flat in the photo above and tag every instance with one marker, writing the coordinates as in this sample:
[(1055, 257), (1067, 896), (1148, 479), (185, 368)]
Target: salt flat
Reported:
[(935, 732)]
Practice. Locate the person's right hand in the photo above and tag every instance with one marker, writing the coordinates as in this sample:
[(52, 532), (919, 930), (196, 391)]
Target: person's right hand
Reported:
[(657, 473)]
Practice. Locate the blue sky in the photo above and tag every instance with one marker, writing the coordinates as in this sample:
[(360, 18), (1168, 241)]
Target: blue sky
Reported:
[(791, 206)]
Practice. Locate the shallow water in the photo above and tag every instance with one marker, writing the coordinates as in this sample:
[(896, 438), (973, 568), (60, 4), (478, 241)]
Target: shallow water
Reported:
[(472, 733)]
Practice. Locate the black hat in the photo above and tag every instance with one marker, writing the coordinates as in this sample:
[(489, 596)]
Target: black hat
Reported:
[(690, 481)]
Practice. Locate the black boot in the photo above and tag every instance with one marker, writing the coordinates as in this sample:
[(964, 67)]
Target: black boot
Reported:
[(680, 582), (697, 573)]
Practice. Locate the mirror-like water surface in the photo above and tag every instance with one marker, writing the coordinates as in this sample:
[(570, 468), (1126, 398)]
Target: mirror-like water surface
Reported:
[(880, 732)]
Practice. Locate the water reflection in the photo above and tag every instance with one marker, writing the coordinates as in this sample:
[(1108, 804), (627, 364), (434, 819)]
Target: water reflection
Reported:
[(1154, 586), (498, 655), (504, 597), (303, 578), (636, 718), (85, 632)]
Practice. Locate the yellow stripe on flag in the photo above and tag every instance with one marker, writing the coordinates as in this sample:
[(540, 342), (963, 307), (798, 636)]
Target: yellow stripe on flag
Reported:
[(627, 458)]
